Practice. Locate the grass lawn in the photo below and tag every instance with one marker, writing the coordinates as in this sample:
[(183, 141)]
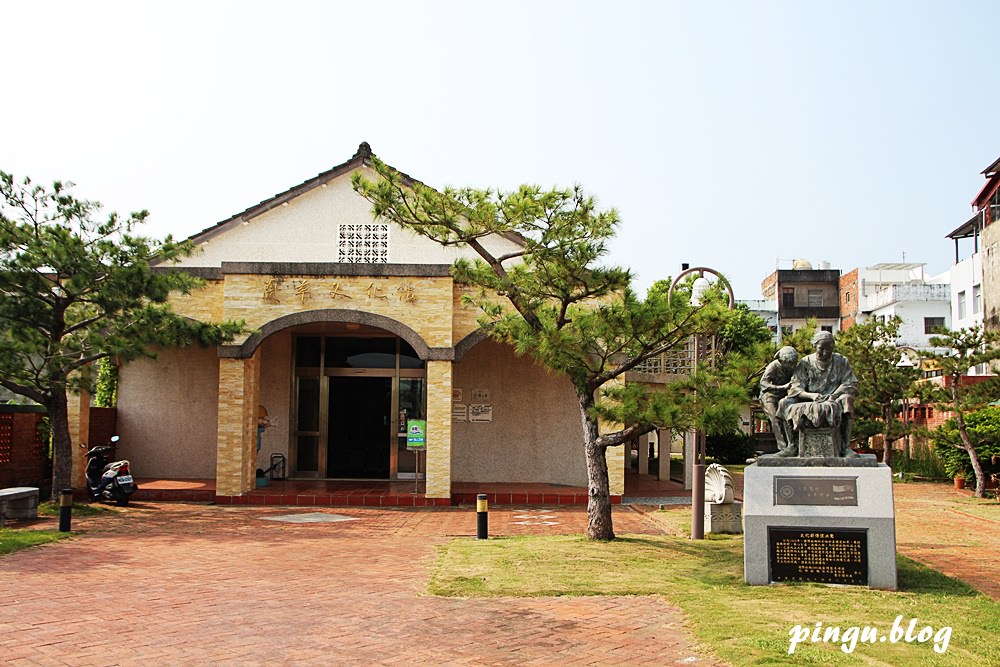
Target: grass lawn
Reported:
[(984, 508), (743, 625), (15, 540)]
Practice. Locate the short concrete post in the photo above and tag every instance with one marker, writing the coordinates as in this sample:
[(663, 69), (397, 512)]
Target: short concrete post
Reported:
[(65, 510), (482, 517)]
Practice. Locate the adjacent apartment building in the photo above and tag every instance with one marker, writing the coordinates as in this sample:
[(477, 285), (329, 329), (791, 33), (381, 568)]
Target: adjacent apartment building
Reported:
[(804, 292), (901, 290)]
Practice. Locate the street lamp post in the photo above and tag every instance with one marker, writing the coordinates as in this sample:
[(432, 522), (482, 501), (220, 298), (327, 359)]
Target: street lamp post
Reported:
[(698, 289), (907, 361)]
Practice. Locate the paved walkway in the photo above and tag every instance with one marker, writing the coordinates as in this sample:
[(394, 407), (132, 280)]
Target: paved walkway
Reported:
[(933, 527), (188, 584), (193, 584)]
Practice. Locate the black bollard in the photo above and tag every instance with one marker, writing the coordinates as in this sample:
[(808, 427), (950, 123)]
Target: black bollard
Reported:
[(65, 510), (482, 517)]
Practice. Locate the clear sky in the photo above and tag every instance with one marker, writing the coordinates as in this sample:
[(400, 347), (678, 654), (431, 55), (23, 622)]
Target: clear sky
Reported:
[(739, 135)]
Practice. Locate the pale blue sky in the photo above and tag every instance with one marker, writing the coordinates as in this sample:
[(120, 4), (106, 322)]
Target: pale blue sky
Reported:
[(728, 134)]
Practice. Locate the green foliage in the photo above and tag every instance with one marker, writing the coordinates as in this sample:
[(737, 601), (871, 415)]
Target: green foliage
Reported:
[(730, 448), (560, 305), (744, 331), (801, 338), (983, 428), (566, 310), (15, 540), (872, 350), (75, 289), (106, 391), (921, 460), (966, 348)]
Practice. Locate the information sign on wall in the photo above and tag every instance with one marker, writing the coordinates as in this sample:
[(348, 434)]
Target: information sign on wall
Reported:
[(480, 413)]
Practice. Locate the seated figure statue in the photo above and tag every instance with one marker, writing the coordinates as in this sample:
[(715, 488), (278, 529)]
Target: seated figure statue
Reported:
[(821, 396)]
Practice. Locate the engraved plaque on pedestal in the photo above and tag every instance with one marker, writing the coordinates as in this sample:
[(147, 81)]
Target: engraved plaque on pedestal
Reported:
[(821, 555), (829, 491)]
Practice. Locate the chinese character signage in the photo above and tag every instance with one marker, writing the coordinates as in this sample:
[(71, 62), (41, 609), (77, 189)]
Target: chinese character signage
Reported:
[(829, 491), (821, 555), (416, 434)]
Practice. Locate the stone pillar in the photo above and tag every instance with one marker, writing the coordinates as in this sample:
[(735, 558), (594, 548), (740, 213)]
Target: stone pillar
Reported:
[(239, 394), (439, 374), (664, 440), (644, 454), (78, 416), (690, 451)]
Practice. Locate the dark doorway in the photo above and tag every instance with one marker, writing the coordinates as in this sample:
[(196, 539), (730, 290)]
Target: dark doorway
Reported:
[(359, 431)]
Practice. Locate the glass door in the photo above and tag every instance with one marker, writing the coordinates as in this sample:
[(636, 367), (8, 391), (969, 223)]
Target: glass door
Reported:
[(359, 427), (412, 405), (350, 392)]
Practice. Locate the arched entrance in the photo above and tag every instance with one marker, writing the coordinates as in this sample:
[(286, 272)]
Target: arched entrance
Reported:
[(354, 387)]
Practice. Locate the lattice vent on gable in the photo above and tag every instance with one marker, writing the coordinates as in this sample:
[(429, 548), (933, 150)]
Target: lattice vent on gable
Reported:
[(363, 244)]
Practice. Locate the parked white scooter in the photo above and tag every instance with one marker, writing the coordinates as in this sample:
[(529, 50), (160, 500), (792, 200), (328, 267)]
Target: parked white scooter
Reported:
[(109, 480)]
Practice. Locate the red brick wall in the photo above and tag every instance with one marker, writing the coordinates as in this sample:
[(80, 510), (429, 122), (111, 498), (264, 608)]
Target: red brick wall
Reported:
[(23, 451), (849, 296), (103, 422)]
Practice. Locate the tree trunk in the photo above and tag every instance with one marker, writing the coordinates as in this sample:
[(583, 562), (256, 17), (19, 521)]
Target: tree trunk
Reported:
[(599, 526), (977, 466), (886, 428), (62, 445)]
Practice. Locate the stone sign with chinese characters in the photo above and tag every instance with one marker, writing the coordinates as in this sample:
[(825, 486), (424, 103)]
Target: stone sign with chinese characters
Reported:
[(329, 291), (826, 556), (799, 490)]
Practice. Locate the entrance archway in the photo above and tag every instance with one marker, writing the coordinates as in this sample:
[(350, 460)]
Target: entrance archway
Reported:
[(354, 388)]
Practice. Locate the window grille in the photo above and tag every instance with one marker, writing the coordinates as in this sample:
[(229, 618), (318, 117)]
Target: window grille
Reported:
[(364, 244), (678, 361)]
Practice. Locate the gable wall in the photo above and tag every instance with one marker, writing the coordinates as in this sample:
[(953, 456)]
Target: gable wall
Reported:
[(305, 229)]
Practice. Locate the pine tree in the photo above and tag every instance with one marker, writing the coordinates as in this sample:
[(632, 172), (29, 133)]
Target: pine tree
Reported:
[(566, 310), (74, 290)]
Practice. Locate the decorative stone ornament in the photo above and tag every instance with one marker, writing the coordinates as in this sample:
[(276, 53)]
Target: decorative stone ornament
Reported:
[(723, 514)]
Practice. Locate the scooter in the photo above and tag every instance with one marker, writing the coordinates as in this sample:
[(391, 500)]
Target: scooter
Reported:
[(109, 480)]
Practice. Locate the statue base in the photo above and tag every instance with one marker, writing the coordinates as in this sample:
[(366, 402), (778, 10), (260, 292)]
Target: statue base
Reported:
[(724, 518), (859, 461), (828, 521)]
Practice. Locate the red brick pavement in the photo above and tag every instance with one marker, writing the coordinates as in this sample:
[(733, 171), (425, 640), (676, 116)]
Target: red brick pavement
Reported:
[(933, 527), (194, 584)]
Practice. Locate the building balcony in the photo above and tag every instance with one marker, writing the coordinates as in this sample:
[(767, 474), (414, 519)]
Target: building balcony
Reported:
[(805, 312), (891, 294)]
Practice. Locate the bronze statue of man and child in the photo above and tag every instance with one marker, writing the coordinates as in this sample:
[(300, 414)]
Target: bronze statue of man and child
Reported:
[(810, 402)]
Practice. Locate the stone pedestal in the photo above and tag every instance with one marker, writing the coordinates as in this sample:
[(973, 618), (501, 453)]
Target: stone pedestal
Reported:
[(807, 521), (724, 518)]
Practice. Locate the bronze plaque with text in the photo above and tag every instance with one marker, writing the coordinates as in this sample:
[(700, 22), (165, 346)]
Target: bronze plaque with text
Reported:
[(801, 490), (820, 555)]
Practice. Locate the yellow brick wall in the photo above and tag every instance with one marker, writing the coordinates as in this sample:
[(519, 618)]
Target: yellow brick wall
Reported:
[(439, 375), (239, 390), (204, 305), (423, 304)]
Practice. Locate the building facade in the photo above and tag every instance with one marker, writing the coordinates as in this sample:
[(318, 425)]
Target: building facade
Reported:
[(356, 328), (903, 290), (803, 292)]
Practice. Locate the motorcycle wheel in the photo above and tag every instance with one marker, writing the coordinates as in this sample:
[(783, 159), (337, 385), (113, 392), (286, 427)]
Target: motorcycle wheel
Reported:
[(122, 501)]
